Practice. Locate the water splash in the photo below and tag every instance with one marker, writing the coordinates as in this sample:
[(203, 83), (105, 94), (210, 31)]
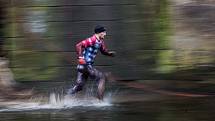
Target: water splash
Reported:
[(56, 101)]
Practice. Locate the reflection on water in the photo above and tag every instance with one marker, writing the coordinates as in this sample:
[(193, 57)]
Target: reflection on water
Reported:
[(126, 105)]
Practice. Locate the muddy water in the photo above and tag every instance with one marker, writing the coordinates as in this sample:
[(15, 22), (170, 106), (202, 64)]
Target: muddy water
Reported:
[(140, 36), (121, 103)]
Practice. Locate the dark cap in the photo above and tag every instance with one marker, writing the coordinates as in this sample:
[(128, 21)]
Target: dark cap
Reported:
[(99, 29)]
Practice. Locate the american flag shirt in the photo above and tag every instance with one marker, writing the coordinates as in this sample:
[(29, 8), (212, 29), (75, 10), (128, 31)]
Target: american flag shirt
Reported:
[(89, 48)]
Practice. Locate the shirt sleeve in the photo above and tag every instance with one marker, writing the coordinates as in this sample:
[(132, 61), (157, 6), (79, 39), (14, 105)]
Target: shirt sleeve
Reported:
[(84, 44), (88, 42), (103, 49)]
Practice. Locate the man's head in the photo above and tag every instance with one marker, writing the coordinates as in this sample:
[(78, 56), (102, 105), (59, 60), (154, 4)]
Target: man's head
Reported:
[(100, 31)]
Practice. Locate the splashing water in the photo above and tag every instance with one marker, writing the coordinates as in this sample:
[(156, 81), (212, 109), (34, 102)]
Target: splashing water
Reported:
[(56, 101)]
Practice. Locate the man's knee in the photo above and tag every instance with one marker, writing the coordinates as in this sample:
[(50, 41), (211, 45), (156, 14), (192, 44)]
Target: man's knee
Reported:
[(80, 84)]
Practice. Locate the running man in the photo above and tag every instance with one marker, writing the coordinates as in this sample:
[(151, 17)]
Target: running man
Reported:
[(86, 51)]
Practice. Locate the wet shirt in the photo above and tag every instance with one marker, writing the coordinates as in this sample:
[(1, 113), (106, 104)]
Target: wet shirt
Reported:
[(89, 48)]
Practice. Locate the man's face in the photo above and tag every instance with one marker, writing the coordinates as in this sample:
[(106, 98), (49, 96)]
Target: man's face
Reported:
[(102, 35)]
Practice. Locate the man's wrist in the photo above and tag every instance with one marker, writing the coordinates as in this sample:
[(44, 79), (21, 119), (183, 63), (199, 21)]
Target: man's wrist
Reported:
[(112, 53)]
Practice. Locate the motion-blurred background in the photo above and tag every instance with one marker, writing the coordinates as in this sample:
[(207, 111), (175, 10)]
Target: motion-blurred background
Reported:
[(154, 39), (164, 68)]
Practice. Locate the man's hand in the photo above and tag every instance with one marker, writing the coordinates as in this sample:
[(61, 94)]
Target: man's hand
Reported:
[(112, 53), (81, 61)]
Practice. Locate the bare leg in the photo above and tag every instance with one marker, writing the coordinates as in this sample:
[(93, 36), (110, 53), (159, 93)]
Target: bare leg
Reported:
[(101, 89), (100, 78)]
